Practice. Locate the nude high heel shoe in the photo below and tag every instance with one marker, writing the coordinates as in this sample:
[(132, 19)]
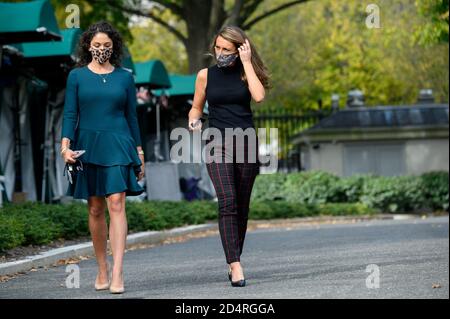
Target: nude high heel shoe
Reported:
[(99, 287), (116, 290)]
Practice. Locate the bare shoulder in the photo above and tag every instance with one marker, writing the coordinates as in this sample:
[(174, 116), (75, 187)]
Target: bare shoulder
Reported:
[(202, 75), (202, 79)]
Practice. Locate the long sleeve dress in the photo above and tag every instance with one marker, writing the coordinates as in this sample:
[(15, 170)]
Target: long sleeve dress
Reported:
[(105, 106)]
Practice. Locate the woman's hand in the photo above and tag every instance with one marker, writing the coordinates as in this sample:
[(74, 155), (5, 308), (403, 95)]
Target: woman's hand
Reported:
[(69, 156), (142, 172), (255, 86), (195, 124), (245, 52)]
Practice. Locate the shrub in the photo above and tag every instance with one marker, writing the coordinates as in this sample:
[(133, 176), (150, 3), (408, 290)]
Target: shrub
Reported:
[(11, 233), (435, 188), (393, 194), (269, 187), (313, 187), (349, 189)]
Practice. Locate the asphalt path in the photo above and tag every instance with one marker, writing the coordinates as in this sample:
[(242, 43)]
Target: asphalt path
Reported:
[(371, 259)]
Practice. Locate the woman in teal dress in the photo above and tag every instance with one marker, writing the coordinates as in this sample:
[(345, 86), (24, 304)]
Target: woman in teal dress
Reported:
[(100, 118)]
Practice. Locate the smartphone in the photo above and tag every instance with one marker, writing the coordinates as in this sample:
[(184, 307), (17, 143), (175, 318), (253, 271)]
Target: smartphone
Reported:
[(79, 153), (196, 123)]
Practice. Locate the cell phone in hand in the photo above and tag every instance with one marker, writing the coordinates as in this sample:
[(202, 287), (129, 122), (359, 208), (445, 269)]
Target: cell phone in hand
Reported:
[(78, 153), (196, 123)]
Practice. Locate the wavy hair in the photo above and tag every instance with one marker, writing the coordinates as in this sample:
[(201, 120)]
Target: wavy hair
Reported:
[(237, 36)]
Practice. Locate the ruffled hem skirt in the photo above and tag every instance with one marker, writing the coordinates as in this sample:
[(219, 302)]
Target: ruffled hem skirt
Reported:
[(98, 180)]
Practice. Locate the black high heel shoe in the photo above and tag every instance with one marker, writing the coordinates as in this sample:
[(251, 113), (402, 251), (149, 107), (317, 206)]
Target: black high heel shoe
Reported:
[(239, 283)]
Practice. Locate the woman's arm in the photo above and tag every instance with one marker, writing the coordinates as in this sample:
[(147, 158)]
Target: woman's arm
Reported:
[(70, 117), (130, 113), (196, 111), (254, 84), (131, 116)]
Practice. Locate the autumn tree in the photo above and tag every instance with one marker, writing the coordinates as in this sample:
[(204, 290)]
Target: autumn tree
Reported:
[(202, 19)]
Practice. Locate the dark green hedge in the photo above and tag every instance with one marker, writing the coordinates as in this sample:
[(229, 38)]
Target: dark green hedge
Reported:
[(389, 194), (302, 194), (37, 224)]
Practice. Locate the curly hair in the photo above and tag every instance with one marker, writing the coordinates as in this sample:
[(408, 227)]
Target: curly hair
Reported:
[(84, 56)]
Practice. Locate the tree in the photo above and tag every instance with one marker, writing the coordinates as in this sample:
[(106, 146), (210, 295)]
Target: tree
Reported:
[(436, 25), (91, 12), (324, 47), (152, 41), (202, 19)]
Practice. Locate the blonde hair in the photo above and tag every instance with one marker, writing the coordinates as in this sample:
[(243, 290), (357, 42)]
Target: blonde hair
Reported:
[(237, 36)]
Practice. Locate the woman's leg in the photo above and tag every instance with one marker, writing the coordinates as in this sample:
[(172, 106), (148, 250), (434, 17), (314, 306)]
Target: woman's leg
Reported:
[(245, 175), (99, 233), (222, 176), (118, 229)]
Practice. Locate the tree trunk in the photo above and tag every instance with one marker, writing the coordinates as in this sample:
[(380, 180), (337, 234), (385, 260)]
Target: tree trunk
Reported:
[(203, 20)]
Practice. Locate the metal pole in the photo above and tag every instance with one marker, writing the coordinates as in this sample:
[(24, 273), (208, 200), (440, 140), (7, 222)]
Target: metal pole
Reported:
[(158, 134), (46, 146)]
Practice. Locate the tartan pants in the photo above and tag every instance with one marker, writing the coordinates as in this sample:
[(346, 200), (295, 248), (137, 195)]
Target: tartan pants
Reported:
[(233, 183)]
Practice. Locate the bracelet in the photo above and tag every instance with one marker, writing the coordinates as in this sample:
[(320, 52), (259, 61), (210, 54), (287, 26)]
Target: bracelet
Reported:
[(141, 152)]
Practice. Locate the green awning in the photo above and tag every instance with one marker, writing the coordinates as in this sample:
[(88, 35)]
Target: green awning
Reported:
[(152, 73), (127, 61), (66, 47), (181, 85), (28, 22)]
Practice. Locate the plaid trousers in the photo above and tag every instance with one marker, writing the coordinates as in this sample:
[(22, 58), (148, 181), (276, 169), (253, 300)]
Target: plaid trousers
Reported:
[(233, 183)]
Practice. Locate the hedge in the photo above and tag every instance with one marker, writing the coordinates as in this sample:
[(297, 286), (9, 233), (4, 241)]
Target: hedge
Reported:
[(37, 223), (388, 194), (278, 195)]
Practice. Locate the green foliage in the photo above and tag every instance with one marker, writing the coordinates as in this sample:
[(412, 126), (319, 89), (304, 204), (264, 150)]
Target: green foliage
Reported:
[(435, 188), (11, 233), (349, 189), (94, 11), (312, 187), (388, 194), (284, 209), (394, 194), (152, 41), (435, 27), (269, 187), (36, 224), (302, 194), (324, 47)]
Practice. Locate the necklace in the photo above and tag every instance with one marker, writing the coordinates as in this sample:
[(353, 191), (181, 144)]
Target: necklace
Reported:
[(104, 78)]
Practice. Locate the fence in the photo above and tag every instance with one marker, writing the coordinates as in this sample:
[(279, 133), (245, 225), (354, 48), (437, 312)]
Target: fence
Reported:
[(289, 123)]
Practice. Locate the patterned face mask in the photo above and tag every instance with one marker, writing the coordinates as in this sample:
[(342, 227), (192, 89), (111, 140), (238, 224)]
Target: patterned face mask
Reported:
[(101, 55), (226, 60)]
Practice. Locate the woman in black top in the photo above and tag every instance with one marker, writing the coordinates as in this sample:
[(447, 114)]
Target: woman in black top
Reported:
[(238, 76)]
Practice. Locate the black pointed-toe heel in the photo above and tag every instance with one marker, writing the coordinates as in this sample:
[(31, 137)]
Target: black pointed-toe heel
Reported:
[(240, 283)]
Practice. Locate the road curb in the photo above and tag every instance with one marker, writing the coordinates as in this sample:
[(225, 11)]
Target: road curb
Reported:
[(54, 255)]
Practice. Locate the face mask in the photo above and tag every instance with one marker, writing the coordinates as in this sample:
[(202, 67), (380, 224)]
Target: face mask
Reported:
[(225, 60), (101, 55)]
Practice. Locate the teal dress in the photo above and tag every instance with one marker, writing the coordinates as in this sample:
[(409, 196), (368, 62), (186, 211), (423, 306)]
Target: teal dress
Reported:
[(108, 131)]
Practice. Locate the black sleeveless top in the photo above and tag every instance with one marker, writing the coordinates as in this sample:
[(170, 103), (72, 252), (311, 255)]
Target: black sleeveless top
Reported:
[(228, 98)]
